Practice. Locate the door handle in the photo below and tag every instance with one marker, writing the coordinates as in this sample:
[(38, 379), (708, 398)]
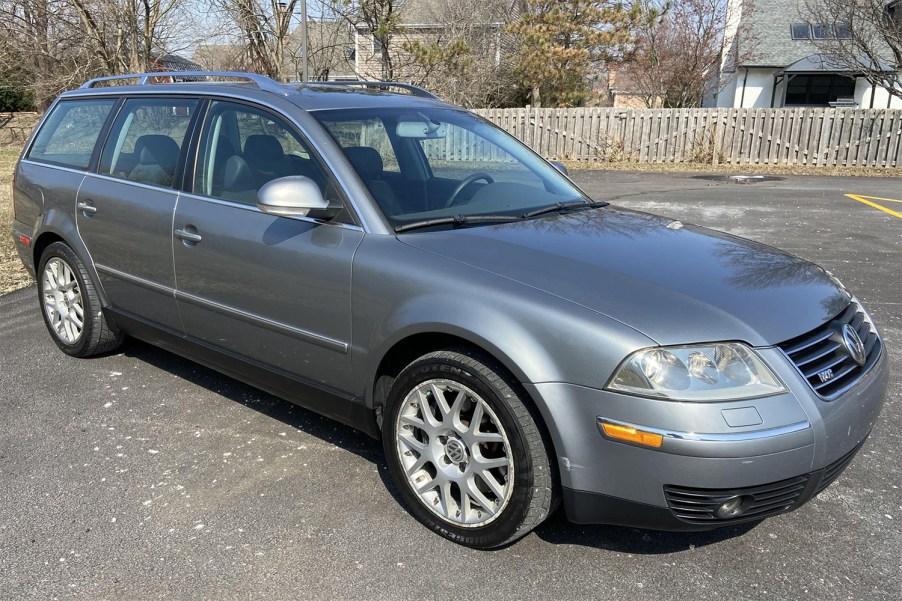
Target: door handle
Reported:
[(87, 207), (188, 236)]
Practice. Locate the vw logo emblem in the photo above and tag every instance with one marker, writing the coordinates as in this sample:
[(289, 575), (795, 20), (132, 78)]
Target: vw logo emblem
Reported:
[(853, 344), (455, 451)]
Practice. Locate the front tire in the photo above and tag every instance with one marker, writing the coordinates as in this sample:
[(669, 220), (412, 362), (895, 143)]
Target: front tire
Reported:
[(70, 305), (465, 450)]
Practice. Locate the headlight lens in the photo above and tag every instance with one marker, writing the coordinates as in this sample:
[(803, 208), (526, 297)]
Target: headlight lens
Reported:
[(727, 371)]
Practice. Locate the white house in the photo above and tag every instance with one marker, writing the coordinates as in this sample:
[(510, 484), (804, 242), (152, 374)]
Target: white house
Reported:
[(771, 59)]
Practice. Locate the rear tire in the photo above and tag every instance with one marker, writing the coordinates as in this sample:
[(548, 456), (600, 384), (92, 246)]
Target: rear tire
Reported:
[(465, 451), (70, 305)]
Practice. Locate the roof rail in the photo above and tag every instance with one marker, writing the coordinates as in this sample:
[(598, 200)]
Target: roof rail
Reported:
[(414, 90), (262, 82)]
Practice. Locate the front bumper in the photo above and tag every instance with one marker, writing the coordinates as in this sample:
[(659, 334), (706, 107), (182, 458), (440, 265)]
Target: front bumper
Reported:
[(800, 445)]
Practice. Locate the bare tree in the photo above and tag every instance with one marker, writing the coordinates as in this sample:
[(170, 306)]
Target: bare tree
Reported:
[(41, 47), (263, 27), (463, 58), (863, 37), (678, 52), (126, 34), (58, 44)]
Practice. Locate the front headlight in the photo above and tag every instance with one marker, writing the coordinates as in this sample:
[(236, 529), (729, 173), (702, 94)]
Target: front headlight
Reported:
[(724, 371)]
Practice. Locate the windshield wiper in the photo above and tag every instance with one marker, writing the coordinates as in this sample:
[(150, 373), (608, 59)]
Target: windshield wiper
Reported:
[(456, 221), (565, 206)]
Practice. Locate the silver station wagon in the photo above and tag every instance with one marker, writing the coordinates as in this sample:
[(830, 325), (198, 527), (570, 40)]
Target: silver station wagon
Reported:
[(404, 267)]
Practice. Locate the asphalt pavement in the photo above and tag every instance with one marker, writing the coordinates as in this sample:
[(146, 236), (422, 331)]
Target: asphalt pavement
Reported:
[(140, 475)]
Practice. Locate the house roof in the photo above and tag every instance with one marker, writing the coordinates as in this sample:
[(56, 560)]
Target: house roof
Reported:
[(821, 63), (765, 37), (174, 62)]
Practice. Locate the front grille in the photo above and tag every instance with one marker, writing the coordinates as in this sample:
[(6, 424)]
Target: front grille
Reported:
[(824, 361), (698, 505)]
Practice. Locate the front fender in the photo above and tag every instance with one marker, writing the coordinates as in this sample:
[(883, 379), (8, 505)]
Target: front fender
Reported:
[(399, 291)]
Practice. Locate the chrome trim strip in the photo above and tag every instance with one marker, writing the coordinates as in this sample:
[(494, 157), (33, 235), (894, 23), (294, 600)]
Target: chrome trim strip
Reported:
[(122, 180), (276, 326), (40, 163), (254, 209), (711, 437), (134, 279)]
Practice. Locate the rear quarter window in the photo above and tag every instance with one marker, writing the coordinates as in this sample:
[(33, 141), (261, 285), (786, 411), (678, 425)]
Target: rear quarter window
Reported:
[(70, 132)]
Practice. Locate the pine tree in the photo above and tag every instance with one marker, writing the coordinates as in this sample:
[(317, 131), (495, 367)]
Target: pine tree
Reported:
[(560, 41)]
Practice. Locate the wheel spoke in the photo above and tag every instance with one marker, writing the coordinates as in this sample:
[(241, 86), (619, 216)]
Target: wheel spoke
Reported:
[(476, 495), (440, 400), (487, 464), (412, 443), (422, 484), (496, 487), (417, 465), (426, 411)]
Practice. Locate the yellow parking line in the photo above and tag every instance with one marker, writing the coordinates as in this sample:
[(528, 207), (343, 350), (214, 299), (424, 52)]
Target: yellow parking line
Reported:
[(878, 198), (875, 205)]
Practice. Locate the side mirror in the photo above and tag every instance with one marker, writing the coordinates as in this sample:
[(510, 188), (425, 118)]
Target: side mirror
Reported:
[(294, 196), (560, 167)]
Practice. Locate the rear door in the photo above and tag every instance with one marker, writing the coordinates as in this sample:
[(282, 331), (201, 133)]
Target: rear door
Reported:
[(125, 210), (274, 290)]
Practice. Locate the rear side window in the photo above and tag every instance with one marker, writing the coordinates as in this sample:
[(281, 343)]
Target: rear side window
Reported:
[(70, 132), (145, 142)]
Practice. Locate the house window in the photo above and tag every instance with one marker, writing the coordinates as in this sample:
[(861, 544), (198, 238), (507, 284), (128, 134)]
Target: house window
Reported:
[(801, 31), (822, 32), (377, 46), (818, 90), (805, 31), (350, 53)]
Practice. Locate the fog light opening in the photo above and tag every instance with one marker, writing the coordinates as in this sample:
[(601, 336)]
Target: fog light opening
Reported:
[(731, 508)]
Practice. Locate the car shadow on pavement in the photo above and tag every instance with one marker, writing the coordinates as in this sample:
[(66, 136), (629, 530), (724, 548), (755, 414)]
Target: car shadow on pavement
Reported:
[(557, 530), (270, 405)]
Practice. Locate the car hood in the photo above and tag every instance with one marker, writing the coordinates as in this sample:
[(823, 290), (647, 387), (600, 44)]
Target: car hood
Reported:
[(674, 283)]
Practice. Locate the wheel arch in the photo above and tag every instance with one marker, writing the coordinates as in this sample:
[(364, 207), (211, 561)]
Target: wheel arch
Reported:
[(47, 236), (413, 346)]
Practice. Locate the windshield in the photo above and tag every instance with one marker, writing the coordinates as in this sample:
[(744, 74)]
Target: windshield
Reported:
[(428, 164)]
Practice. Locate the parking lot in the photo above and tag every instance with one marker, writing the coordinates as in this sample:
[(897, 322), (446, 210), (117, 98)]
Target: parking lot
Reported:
[(140, 475)]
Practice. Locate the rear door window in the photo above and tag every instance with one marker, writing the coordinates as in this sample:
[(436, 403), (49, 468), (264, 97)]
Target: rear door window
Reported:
[(146, 141), (70, 132)]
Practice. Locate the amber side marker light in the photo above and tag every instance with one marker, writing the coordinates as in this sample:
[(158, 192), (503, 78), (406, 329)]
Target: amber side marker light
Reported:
[(629, 434)]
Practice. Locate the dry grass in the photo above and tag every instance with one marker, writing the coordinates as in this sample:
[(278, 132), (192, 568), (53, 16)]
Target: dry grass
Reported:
[(12, 275), (735, 169)]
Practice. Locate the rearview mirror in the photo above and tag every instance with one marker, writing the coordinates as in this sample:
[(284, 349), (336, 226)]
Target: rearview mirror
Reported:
[(560, 167), (422, 130), (294, 196)]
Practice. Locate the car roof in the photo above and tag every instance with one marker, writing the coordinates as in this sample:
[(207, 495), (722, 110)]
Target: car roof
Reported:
[(311, 96)]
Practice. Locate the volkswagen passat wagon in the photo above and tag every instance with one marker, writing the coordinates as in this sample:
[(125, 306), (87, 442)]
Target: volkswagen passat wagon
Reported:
[(404, 267)]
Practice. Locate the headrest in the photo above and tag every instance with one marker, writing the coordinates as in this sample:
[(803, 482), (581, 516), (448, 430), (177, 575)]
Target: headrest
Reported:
[(156, 149), (261, 147), (238, 175), (365, 160)]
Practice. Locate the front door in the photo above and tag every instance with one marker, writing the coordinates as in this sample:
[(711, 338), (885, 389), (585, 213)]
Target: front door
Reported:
[(124, 212), (275, 290)]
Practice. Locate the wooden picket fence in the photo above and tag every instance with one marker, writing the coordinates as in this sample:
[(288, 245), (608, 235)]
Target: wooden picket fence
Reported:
[(16, 127), (789, 136)]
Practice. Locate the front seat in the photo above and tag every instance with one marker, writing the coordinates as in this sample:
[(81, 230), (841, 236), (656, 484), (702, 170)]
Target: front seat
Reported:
[(368, 164), (266, 158), (157, 157)]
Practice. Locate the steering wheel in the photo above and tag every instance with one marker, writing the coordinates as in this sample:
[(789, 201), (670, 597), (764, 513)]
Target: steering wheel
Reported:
[(466, 182)]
